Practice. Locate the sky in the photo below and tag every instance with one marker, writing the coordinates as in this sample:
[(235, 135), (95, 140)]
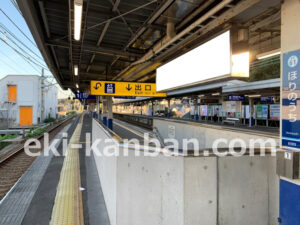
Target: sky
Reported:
[(18, 51)]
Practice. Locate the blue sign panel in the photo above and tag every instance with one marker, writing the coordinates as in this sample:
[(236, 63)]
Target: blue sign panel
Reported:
[(275, 112), (267, 99), (81, 96), (290, 96), (265, 110), (289, 203), (236, 97), (110, 88), (185, 101)]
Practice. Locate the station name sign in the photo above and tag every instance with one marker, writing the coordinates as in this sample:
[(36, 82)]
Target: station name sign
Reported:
[(267, 99), (290, 94), (82, 96), (125, 89), (236, 97)]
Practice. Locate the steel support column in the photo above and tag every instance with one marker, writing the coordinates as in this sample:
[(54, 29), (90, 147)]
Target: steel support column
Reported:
[(109, 112)]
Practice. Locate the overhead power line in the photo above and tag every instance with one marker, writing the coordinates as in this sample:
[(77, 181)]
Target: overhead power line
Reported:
[(26, 53), (33, 66), (21, 42), (18, 52), (16, 6), (14, 62), (18, 27), (6, 32), (14, 69)]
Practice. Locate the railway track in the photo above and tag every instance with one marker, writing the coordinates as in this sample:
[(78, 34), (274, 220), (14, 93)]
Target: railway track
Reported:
[(15, 161)]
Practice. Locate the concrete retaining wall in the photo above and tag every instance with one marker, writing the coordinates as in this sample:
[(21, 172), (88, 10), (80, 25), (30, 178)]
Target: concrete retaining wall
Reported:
[(206, 134), (107, 170), (187, 190)]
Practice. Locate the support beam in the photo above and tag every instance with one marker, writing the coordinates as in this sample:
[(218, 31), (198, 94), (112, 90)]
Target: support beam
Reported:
[(266, 22), (98, 76), (104, 110), (165, 42), (70, 38), (169, 108), (98, 106), (107, 51), (115, 7), (71, 85), (93, 49), (44, 17), (83, 35), (251, 108), (194, 14), (122, 15), (46, 25), (109, 113), (30, 15), (221, 20), (155, 15)]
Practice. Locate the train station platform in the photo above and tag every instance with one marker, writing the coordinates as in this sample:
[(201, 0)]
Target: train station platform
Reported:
[(104, 188), (57, 189)]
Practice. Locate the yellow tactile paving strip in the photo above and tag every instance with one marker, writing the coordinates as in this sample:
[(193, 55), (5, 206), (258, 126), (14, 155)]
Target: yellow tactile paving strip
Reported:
[(118, 138), (67, 209)]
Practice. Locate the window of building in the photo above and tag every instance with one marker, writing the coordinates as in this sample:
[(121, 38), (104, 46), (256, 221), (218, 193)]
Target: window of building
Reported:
[(12, 93)]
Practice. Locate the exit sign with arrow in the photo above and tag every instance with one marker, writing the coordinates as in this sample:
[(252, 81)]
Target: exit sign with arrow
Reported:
[(125, 89)]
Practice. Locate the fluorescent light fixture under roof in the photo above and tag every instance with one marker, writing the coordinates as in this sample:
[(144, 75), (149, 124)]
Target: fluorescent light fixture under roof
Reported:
[(253, 96), (76, 70), (215, 94), (77, 86), (77, 18), (268, 54)]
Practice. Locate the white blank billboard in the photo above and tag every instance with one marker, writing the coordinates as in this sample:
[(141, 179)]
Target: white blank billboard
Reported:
[(209, 60)]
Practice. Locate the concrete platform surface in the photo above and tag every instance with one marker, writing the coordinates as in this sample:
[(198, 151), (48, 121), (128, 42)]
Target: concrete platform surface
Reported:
[(31, 200)]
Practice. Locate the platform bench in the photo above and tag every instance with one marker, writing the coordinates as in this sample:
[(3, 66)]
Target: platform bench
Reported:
[(233, 121)]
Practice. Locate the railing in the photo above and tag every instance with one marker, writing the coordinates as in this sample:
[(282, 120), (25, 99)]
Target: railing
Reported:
[(143, 121)]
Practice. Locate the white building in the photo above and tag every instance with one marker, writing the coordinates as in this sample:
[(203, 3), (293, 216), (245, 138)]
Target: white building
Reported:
[(21, 100)]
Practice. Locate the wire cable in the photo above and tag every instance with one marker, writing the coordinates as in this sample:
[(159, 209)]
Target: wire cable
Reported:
[(26, 58), (34, 67), (8, 65), (16, 6), (14, 62), (41, 64), (12, 34), (28, 55), (18, 27)]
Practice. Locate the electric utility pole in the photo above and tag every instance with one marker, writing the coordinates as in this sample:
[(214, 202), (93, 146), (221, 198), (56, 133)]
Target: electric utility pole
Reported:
[(42, 96)]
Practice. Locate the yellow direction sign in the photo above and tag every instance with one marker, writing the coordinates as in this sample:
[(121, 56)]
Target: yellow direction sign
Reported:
[(124, 89)]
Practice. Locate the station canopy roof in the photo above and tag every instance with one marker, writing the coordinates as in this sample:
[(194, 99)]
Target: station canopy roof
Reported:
[(126, 40)]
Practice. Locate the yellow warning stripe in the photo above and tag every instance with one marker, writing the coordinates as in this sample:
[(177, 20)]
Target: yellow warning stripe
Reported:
[(118, 139), (67, 209)]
